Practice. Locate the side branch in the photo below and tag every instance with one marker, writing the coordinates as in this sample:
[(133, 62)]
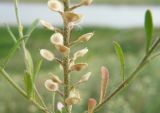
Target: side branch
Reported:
[(143, 62)]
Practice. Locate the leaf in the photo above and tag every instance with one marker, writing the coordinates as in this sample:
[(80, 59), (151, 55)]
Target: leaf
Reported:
[(29, 84), (120, 55), (148, 29), (11, 33), (28, 62), (38, 66), (31, 29), (11, 53)]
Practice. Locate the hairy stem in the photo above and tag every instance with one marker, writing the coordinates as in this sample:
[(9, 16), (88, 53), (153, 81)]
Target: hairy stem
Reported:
[(67, 32), (133, 74)]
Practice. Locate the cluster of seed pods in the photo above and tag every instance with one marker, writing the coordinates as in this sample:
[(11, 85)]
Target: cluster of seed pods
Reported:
[(54, 83)]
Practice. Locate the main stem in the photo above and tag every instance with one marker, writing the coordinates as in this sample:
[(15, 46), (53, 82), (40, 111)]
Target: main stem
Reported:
[(66, 58)]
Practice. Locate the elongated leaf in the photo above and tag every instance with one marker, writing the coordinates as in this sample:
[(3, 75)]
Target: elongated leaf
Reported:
[(29, 84), (37, 69), (31, 29), (11, 53), (148, 29), (28, 62), (11, 33), (120, 55)]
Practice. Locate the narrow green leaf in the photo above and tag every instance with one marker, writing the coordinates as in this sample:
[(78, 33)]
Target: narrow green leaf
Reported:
[(11, 33), (31, 29), (148, 28), (28, 62), (37, 69), (120, 55), (28, 84), (11, 53)]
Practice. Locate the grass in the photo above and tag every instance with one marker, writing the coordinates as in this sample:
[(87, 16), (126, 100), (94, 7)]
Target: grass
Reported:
[(138, 98), (155, 2)]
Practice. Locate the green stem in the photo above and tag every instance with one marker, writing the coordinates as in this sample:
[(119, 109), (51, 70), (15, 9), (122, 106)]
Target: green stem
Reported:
[(133, 74), (53, 102), (40, 97), (20, 90)]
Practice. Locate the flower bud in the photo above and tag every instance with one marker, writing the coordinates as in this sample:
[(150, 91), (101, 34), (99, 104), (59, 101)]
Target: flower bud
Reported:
[(80, 53), (55, 5), (47, 25), (85, 77), (60, 106), (85, 37), (104, 83), (72, 18), (51, 86), (86, 2), (91, 105), (46, 54), (78, 67), (74, 97), (63, 49), (57, 39), (55, 79)]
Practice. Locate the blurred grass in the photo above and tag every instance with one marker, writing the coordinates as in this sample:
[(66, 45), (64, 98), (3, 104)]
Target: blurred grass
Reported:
[(138, 98), (155, 2)]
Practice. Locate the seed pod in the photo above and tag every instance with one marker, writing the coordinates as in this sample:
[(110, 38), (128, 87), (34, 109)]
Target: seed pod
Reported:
[(104, 83), (57, 39), (85, 37), (46, 54), (74, 97), (80, 53), (47, 25), (55, 79), (86, 2), (51, 86), (78, 67), (55, 5), (85, 77), (71, 17), (91, 105), (63, 49)]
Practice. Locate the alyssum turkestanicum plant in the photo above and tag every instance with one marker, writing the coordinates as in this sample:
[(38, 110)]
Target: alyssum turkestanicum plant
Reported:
[(61, 39)]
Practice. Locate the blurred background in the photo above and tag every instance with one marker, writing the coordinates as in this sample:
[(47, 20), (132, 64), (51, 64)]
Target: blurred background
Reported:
[(111, 20)]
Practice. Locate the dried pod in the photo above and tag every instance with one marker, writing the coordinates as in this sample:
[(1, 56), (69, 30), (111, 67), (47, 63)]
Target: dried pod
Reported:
[(80, 53), (85, 77), (86, 2), (74, 97), (78, 67), (63, 49), (91, 105), (55, 78), (104, 83), (55, 5), (85, 37), (46, 54), (47, 25), (57, 39), (71, 17), (50, 85)]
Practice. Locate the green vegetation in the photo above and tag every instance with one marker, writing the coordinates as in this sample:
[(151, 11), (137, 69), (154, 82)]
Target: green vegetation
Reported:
[(138, 98), (107, 1)]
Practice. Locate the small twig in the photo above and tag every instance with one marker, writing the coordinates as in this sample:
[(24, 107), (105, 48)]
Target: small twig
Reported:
[(40, 97), (121, 86), (76, 6)]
